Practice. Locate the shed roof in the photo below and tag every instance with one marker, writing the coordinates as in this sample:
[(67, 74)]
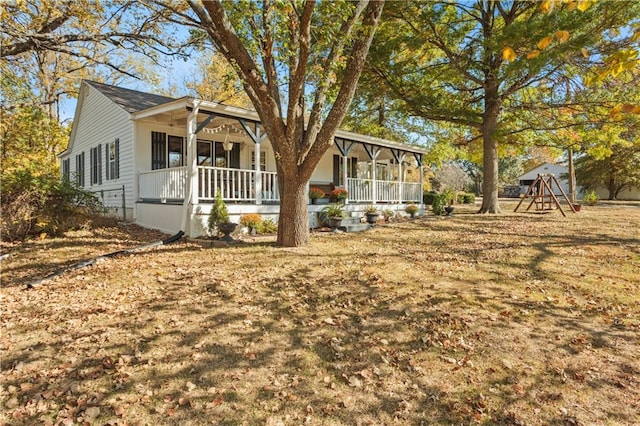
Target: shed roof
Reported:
[(130, 100)]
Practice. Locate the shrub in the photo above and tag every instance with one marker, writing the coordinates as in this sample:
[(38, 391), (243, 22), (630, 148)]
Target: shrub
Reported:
[(591, 198), (428, 197), (412, 209), (447, 196), (219, 213), (35, 203), (267, 226), (438, 204), (466, 198), (250, 220)]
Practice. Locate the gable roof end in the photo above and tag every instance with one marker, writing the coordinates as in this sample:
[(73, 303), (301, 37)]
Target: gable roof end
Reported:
[(129, 100)]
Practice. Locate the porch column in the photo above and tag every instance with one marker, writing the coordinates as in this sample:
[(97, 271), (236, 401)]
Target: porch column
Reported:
[(192, 156), (345, 164), (257, 170), (373, 152), (257, 137), (418, 158), (400, 180)]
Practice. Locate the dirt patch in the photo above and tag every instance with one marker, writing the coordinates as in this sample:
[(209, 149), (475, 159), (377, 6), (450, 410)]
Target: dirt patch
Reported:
[(517, 319)]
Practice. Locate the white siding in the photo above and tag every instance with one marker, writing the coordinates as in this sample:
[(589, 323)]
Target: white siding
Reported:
[(100, 122)]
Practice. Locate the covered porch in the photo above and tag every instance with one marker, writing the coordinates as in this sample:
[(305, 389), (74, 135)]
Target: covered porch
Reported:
[(190, 150)]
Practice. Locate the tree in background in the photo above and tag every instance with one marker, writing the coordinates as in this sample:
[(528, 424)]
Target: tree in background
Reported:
[(216, 81), (47, 48), (472, 64), (299, 63)]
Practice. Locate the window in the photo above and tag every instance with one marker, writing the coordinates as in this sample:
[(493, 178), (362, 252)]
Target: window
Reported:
[(166, 151), (176, 151), (263, 161), (96, 165), (338, 163), (204, 153), (112, 156), (80, 169), (66, 172)]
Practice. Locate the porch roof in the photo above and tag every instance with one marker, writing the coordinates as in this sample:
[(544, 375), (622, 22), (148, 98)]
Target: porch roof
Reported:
[(177, 110)]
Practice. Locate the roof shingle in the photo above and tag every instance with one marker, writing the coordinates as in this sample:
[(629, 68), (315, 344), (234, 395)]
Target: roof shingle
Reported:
[(130, 100)]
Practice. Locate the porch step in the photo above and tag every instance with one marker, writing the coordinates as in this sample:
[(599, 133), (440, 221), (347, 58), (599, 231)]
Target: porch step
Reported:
[(350, 221), (356, 227)]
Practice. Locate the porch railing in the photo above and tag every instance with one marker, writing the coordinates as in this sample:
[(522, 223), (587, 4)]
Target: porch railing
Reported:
[(236, 184), (361, 191), (239, 185), (233, 184), (163, 184)]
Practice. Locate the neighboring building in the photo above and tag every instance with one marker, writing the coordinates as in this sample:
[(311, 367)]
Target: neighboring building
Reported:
[(558, 170), (628, 193), (162, 160)]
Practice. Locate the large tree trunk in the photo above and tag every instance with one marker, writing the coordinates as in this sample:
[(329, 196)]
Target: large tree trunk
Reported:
[(293, 222), (490, 150)]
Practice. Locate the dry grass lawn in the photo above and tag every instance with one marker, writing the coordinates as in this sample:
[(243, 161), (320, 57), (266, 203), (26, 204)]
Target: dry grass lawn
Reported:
[(518, 319)]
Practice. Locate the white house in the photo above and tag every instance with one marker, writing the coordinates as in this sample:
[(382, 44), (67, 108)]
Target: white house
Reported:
[(159, 161), (558, 170)]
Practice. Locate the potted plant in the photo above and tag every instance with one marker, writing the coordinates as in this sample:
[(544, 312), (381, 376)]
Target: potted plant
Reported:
[(251, 222), (315, 193), (412, 209), (338, 195), (219, 219), (449, 210), (334, 214), (372, 214)]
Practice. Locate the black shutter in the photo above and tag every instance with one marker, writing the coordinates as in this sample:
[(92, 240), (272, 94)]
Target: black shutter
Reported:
[(82, 169), (158, 150), (337, 160), (107, 157), (117, 171), (92, 164), (99, 164), (354, 167)]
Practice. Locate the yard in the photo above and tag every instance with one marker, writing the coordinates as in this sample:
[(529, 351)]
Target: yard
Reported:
[(517, 319)]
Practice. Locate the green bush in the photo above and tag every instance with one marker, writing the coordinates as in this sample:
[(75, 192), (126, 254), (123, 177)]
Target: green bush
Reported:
[(267, 226), (468, 198), (36, 203), (219, 213), (590, 198), (439, 202), (428, 197), (447, 196)]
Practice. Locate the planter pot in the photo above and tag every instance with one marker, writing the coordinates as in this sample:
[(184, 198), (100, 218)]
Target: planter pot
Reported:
[(577, 207), (335, 222), (449, 210), (372, 218), (226, 229), (314, 201)]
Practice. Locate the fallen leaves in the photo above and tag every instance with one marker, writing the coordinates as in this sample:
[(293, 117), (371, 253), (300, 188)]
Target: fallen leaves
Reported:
[(451, 321)]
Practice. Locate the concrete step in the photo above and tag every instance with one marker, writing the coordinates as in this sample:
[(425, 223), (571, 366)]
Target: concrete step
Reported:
[(350, 221), (356, 227)]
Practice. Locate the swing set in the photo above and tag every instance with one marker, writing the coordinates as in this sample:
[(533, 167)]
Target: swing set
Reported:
[(541, 193)]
